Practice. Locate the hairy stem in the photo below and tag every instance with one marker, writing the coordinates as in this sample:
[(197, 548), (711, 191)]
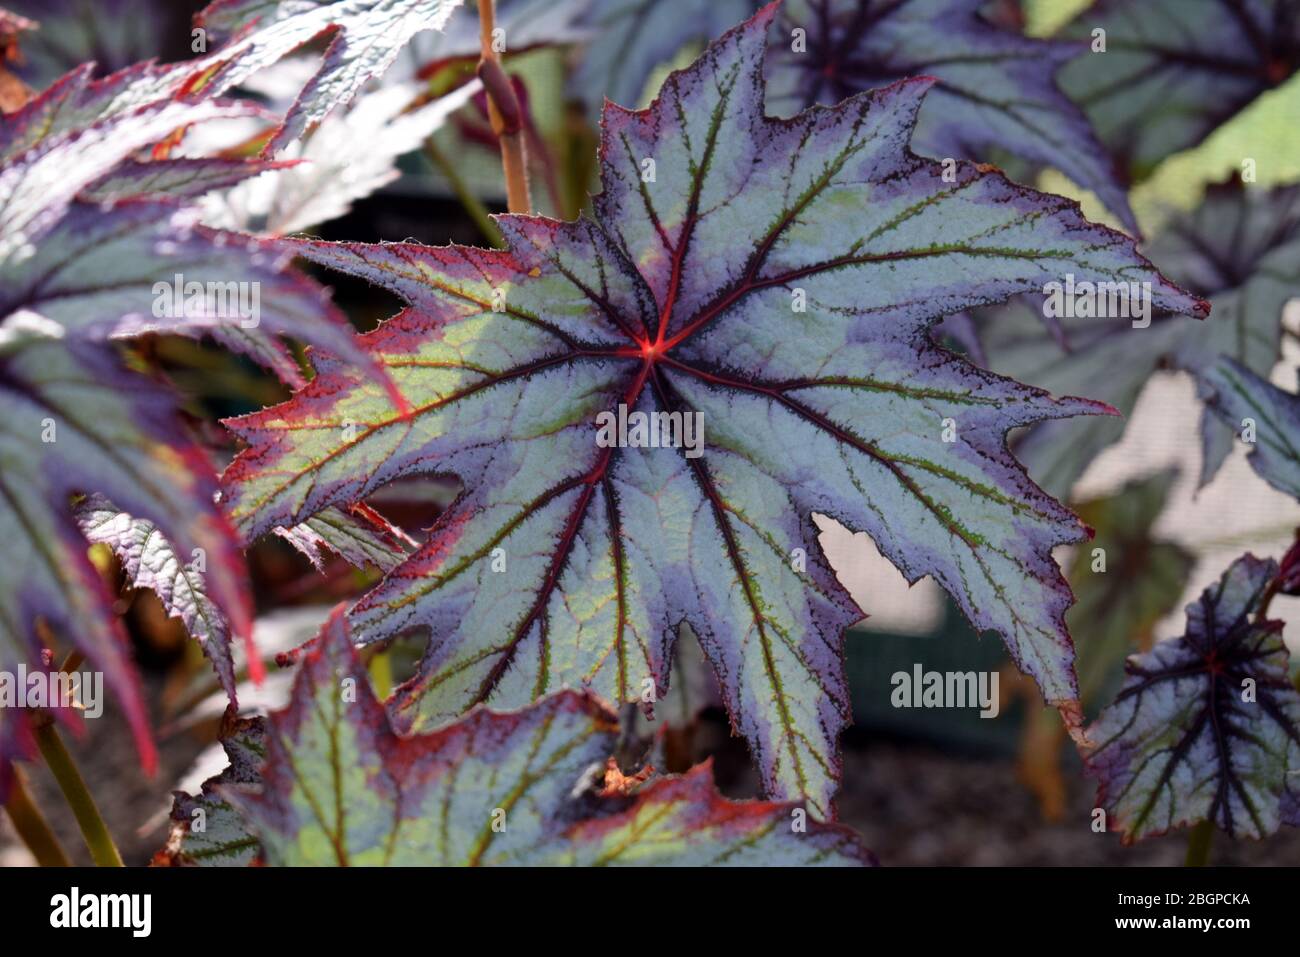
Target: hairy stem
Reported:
[(98, 840), (1198, 844), (503, 111), (472, 204), (32, 827)]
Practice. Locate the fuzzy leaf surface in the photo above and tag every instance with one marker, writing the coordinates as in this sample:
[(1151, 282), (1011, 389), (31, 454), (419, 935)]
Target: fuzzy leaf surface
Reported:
[(1207, 726), (340, 787), (677, 297)]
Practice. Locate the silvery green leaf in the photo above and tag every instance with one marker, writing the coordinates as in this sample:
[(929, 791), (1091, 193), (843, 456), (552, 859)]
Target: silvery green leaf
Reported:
[(569, 562)]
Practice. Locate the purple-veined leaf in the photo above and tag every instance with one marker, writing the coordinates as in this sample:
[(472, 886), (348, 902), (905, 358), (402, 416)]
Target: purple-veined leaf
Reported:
[(1256, 409), (1207, 726), (995, 92), (1240, 249), (340, 787), (1174, 70), (683, 295), (77, 423), (630, 39), (366, 37)]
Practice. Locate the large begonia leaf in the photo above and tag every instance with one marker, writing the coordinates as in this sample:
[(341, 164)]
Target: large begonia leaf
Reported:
[(995, 91), (339, 787), (1240, 249), (366, 37), (75, 422), (1259, 411), (682, 296), (1174, 70), (1207, 726)]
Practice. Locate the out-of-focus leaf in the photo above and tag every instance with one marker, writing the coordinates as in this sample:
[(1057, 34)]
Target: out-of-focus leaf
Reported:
[(340, 788), (42, 173), (206, 830), (630, 39), (1115, 609), (76, 422), (112, 33), (352, 154), (1240, 250), (569, 562), (142, 266), (1249, 404), (995, 92), (1174, 70), (1207, 726), (1124, 582), (365, 38), (178, 179), (121, 110)]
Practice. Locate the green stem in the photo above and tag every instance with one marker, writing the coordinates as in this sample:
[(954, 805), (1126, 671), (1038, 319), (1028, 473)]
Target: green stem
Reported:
[(64, 768), (1198, 844), (473, 205), (32, 826)]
